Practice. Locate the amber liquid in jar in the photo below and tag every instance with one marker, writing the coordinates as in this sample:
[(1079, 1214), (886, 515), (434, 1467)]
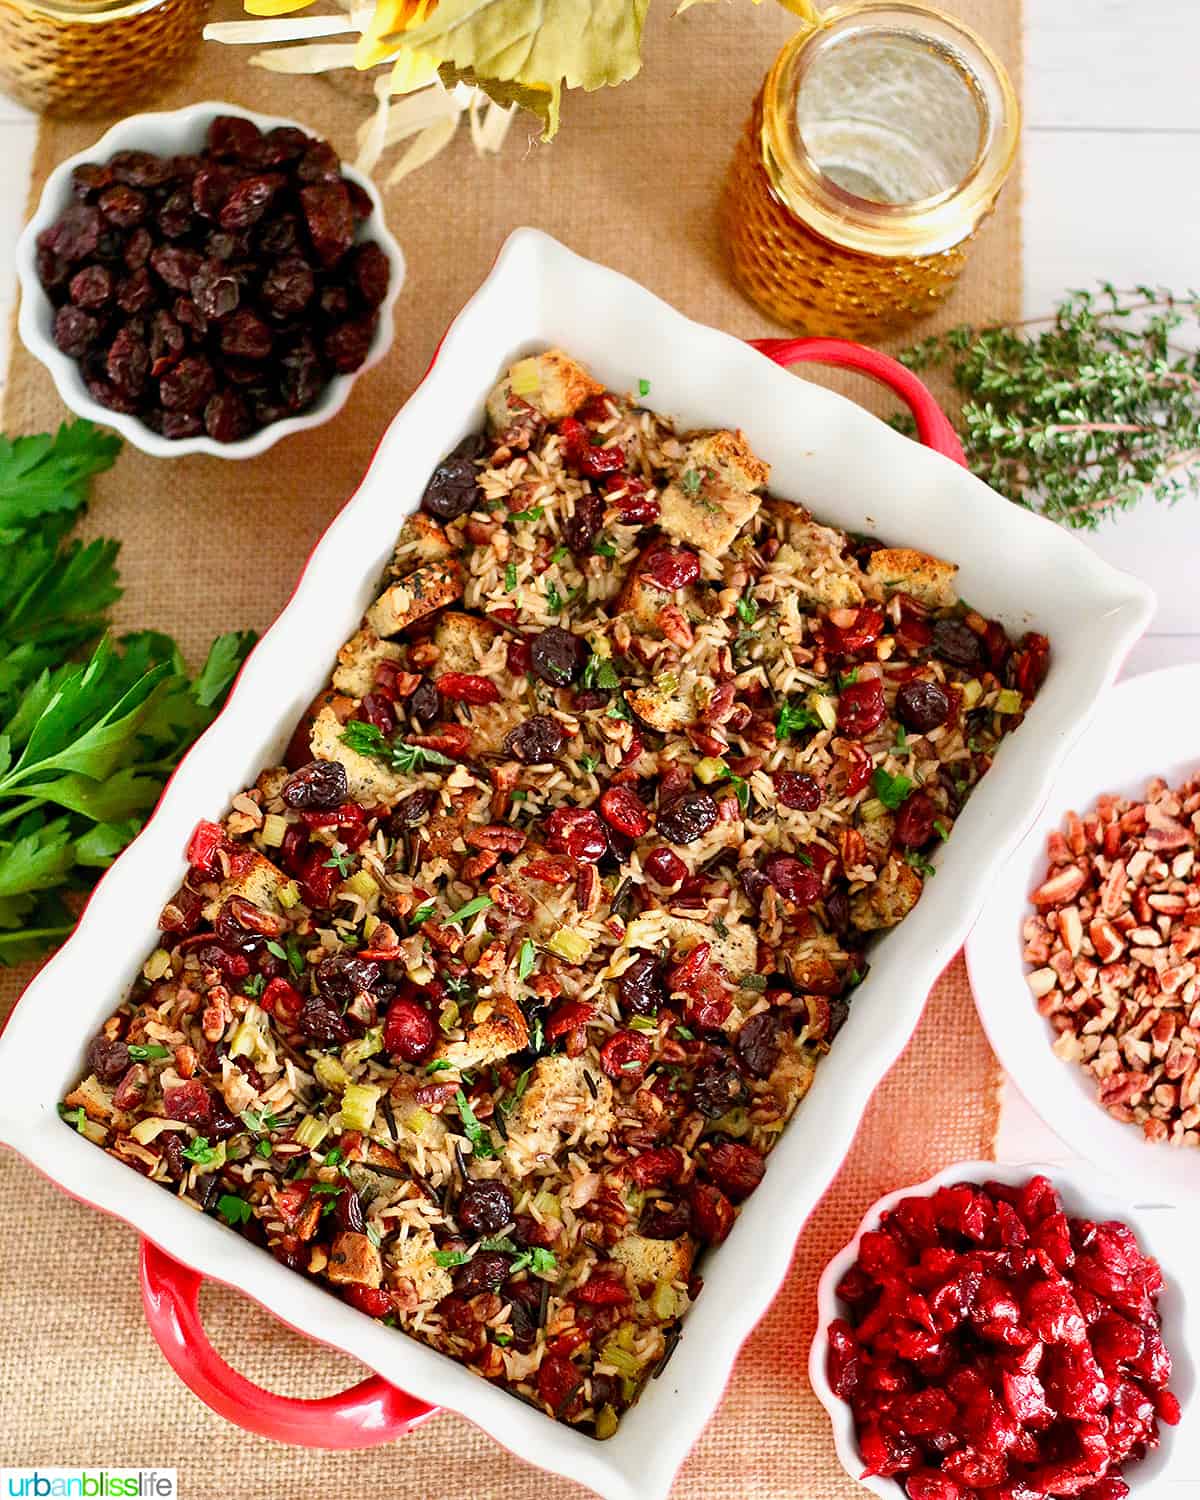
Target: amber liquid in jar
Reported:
[(875, 148)]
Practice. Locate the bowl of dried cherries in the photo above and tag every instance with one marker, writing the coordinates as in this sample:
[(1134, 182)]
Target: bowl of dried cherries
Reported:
[(207, 280), (994, 1333)]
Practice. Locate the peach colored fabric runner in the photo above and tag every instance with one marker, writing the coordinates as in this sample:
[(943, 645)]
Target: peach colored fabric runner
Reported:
[(632, 181)]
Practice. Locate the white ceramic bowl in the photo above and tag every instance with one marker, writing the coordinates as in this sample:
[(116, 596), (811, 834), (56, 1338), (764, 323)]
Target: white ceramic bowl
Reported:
[(169, 133), (1173, 1459), (854, 471), (1147, 726)]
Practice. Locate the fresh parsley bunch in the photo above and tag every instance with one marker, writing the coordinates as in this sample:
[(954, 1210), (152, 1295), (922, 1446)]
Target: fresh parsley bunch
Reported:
[(89, 727)]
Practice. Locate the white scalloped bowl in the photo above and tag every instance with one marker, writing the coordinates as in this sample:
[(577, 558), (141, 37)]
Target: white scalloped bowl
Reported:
[(851, 470), (1173, 1459), (168, 133)]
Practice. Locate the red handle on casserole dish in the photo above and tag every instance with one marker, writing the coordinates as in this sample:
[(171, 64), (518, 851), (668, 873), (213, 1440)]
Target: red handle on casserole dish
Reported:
[(933, 425), (367, 1414)]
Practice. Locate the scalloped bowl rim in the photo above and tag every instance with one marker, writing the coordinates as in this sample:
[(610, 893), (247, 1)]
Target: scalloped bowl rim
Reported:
[(140, 132), (1079, 1199)]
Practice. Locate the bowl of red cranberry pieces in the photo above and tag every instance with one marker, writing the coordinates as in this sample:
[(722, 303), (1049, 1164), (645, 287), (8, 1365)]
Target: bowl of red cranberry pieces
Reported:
[(207, 280), (990, 1333)]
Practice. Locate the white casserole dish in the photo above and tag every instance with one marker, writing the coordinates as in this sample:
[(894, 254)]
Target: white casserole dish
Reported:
[(853, 471)]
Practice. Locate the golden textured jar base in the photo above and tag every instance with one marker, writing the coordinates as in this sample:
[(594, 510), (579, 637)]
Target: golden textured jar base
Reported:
[(62, 66), (810, 284)]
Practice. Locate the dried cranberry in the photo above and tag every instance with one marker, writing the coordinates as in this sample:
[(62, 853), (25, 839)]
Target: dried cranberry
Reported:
[(957, 643), (123, 206), (136, 292), (128, 361), (536, 741), (861, 708), (412, 810), (670, 568), (577, 832), (188, 385), (486, 1271), (687, 817), (348, 1211), (655, 1167), (226, 418), (174, 266), (92, 287), (189, 1102), (664, 865), (110, 395), (624, 810), (626, 1054), (409, 1031), (663, 1220), (642, 987), (75, 235), (248, 200), (712, 1213), (557, 656), (922, 705), (915, 822), (301, 379), (467, 687), (717, 1090), (757, 1044), (288, 287), (234, 137), (75, 331), (484, 1207), (736, 1169), (319, 163), (330, 220), (372, 1300), (320, 784), (453, 488), (631, 499), (107, 1059), (90, 177), (557, 1381), (207, 840), (567, 1017), (582, 526), (321, 1023), (794, 879), (798, 789)]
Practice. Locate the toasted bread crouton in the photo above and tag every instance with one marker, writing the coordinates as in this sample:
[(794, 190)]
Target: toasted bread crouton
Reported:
[(259, 883), (368, 781), (557, 1107), (354, 1261), (421, 540), (299, 752), (648, 1261), (462, 641), (817, 961), (927, 579), (93, 1098), (640, 600), (877, 836), (552, 383), (357, 660), (414, 1273), (813, 565), (792, 1076), (714, 491), (496, 1028), (736, 952), (665, 704), (887, 900), (431, 586)]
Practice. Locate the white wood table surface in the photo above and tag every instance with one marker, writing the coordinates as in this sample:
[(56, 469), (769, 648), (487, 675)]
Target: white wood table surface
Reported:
[(1112, 190)]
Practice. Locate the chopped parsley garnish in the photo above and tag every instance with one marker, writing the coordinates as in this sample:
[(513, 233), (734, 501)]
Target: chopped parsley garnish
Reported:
[(151, 1053), (510, 577), (747, 610), (846, 679), (538, 1040), (619, 709), (942, 829), (600, 673), (199, 1151), (534, 513), (290, 955), (264, 1148), (438, 1065), (232, 1209), (481, 1141), (259, 1122), (335, 1157), (643, 1023), (499, 1242), (365, 739), (604, 547), (451, 1257), (253, 985), (919, 863), (74, 1117), (793, 718), (540, 1262), (691, 480), (374, 1236), (342, 863), (326, 1188), (901, 745), (643, 387), (422, 913), (503, 1339), (891, 790), (510, 1101), (471, 909), (741, 790), (685, 1033), (554, 601), (526, 959), (560, 554), (719, 927), (753, 982)]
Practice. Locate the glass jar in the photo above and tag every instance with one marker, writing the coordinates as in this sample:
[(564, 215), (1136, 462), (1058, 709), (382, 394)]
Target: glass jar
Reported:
[(77, 57), (877, 145)]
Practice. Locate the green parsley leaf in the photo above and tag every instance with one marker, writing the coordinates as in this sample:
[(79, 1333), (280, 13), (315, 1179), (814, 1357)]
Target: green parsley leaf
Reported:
[(471, 909), (534, 513), (685, 1033), (502, 1243), (264, 1148), (510, 1101), (43, 475), (510, 577), (560, 554), (342, 863), (554, 601), (719, 927), (643, 387), (253, 985), (542, 1262), (276, 950), (422, 913), (199, 1151), (891, 790), (846, 679), (604, 547), (747, 610), (643, 1023), (74, 1117), (151, 1053), (451, 1257), (792, 719), (326, 1189), (601, 673), (588, 763), (334, 1158), (526, 959), (942, 829), (365, 739), (619, 709), (438, 1065), (919, 863), (503, 1339), (481, 1141), (233, 1210), (691, 480)]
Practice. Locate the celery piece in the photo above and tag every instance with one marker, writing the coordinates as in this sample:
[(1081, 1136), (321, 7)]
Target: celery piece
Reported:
[(359, 1103)]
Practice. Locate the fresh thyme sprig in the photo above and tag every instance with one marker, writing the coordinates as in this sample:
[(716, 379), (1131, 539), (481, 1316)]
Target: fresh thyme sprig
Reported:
[(1084, 412)]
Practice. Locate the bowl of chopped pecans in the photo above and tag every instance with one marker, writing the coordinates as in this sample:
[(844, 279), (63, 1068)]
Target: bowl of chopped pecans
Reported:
[(1086, 961)]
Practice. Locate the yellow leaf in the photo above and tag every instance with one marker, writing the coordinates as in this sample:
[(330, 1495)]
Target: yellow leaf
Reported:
[(535, 46), (388, 20), (275, 7)]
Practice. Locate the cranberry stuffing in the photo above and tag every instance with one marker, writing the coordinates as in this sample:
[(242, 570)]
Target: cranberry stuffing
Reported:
[(372, 1300), (582, 526), (626, 1054), (189, 1102), (794, 878), (537, 741), (921, 705), (409, 1031), (757, 1044), (664, 865), (861, 708), (557, 656), (687, 817), (957, 643), (467, 687), (624, 810), (577, 832), (484, 1207), (670, 568), (799, 790), (712, 1213)]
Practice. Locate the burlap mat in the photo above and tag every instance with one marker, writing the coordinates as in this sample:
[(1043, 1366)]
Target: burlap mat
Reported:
[(632, 181)]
